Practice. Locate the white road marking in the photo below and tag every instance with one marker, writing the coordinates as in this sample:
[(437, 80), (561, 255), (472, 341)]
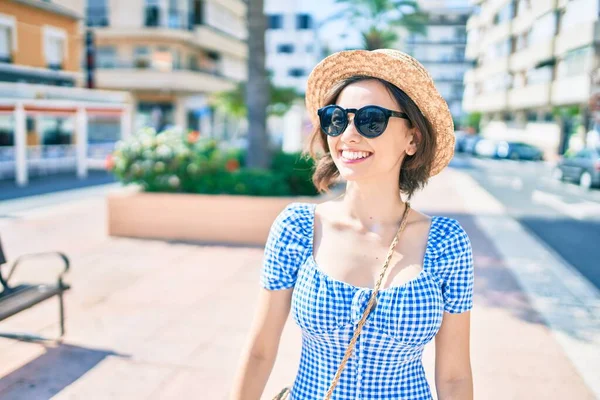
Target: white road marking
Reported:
[(581, 210), (515, 183)]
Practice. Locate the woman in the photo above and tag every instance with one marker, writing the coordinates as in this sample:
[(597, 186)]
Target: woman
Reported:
[(384, 129)]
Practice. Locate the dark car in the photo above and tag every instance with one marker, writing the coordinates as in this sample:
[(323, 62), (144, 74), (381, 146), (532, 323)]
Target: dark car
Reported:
[(583, 168), (469, 142), (519, 151)]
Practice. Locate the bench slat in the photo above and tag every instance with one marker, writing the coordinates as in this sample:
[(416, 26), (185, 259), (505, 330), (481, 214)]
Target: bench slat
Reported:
[(25, 296)]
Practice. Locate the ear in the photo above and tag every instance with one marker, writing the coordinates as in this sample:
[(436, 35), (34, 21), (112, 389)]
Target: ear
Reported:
[(414, 137)]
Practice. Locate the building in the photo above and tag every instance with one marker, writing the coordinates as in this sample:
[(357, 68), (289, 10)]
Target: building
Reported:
[(291, 43), (169, 54), (47, 124), (534, 67), (442, 49)]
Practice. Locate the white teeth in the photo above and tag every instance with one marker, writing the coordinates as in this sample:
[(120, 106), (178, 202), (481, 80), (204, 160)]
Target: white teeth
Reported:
[(354, 155)]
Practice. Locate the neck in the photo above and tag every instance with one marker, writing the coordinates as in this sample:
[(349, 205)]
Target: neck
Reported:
[(373, 204)]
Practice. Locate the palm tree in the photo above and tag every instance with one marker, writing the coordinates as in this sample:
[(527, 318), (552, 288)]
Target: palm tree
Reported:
[(377, 20), (257, 93), (233, 102)]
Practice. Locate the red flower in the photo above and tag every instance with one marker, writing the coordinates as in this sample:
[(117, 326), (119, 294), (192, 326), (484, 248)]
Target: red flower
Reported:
[(109, 162), (193, 136), (232, 165)]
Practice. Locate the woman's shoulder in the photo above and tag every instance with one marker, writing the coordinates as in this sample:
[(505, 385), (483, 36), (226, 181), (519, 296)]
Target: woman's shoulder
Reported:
[(447, 233), (295, 216)]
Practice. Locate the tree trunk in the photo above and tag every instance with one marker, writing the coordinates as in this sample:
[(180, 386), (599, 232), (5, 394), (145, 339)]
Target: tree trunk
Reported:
[(257, 89)]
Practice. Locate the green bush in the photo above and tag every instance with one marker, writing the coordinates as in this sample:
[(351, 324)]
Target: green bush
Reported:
[(174, 161)]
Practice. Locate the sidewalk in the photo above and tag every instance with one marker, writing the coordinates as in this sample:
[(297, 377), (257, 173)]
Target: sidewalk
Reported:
[(156, 320)]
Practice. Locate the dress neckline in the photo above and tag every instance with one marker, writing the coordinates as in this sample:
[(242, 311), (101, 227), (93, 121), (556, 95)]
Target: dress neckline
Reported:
[(311, 257)]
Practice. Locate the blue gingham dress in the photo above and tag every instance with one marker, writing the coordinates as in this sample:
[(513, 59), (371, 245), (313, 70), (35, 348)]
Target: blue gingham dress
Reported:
[(387, 358)]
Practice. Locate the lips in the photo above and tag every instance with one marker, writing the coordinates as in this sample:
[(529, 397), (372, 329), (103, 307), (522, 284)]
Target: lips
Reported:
[(354, 156)]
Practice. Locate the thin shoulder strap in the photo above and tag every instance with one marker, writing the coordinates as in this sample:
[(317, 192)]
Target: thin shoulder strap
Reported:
[(370, 305)]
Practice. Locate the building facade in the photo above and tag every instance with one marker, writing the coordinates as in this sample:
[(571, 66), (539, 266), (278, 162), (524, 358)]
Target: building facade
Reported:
[(535, 63), (169, 54), (442, 49), (291, 43), (47, 124)]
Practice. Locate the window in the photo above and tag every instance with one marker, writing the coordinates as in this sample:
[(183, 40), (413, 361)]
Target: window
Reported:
[(141, 57), (54, 47), (106, 57), (460, 33), (275, 21), (8, 37), (5, 44), (152, 13), (544, 28), (303, 21), (176, 59), (198, 13), (577, 12), (457, 90), (96, 13), (296, 72), (576, 62), (285, 48), (539, 75), (532, 116), (521, 41), (176, 16), (505, 14), (522, 6), (193, 62)]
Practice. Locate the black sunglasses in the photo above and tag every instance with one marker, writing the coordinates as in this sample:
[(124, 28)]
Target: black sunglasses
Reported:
[(370, 121)]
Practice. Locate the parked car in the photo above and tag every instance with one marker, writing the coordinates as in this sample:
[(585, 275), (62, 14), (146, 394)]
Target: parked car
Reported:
[(519, 151), (583, 168), (485, 148), (459, 143), (469, 143)]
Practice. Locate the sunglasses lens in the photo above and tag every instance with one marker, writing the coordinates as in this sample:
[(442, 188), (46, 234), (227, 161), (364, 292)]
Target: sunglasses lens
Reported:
[(333, 120), (371, 121)]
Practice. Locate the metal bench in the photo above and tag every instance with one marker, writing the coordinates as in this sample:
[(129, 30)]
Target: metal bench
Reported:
[(15, 299)]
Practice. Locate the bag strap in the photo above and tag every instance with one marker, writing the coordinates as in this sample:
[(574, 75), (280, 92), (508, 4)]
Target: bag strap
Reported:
[(370, 305)]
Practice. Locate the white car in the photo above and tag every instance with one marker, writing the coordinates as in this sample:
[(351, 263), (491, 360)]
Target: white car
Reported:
[(486, 148)]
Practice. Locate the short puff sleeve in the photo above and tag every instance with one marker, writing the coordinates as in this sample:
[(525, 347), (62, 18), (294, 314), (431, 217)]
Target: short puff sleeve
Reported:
[(286, 248), (457, 272)]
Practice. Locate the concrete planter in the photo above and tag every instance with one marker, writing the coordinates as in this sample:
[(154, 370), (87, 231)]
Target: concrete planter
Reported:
[(243, 220)]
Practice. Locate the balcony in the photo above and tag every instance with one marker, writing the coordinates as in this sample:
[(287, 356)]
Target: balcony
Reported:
[(530, 96), (124, 76), (487, 102), (525, 20), (496, 34), (532, 55), (202, 36), (491, 68), (577, 36), (571, 90), (211, 38)]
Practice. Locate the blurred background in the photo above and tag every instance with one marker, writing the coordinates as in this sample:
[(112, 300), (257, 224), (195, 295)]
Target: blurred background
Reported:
[(197, 108), (77, 76)]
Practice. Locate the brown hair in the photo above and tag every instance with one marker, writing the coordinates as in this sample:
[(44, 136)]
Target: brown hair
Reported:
[(415, 169)]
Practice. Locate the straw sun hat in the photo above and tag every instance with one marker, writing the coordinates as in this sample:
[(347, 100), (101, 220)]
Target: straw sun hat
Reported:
[(397, 68)]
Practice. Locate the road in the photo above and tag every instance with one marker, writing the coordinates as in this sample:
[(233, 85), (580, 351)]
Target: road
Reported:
[(563, 215)]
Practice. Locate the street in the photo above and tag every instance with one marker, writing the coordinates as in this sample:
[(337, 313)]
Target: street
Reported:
[(563, 215)]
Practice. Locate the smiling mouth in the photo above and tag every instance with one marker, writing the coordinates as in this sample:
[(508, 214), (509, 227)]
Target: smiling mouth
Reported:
[(353, 156)]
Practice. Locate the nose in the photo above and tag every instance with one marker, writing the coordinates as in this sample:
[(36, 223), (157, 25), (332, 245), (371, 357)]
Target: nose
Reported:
[(350, 134)]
